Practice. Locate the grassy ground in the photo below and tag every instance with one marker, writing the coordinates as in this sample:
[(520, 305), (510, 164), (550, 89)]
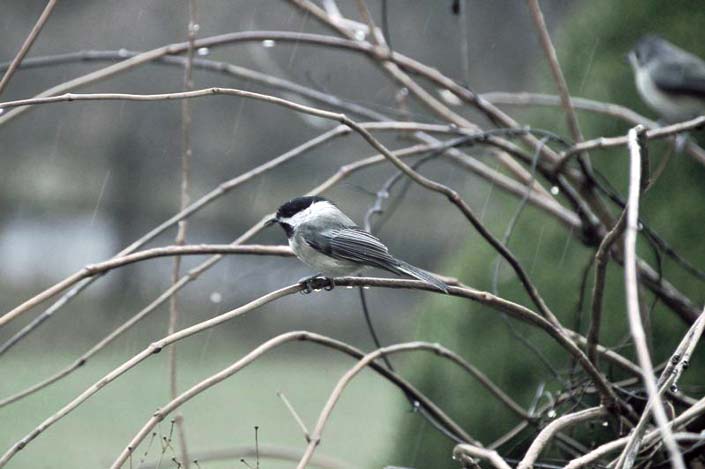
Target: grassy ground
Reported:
[(360, 431)]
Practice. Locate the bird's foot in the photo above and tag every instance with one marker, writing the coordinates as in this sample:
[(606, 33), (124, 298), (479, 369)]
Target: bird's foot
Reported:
[(315, 283)]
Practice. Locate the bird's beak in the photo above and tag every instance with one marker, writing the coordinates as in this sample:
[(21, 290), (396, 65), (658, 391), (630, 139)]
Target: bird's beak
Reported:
[(270, 222)]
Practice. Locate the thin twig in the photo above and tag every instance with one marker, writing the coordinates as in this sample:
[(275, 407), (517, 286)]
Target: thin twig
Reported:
[(180, 239), (296, 415), (550, 51), (272, 452), (27, 44), (632, 291), (598, 289)]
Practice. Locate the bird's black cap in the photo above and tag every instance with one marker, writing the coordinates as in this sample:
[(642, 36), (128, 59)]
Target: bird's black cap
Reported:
[(298, 204)]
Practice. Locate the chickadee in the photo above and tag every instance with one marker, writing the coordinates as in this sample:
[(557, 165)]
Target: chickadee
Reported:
[(669, 79), (324, 238)]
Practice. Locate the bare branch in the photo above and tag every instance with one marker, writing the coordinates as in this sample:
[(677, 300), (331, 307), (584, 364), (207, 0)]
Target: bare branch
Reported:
[(465, 450), (632, 291), (296, 415), (27, 44), (652, 134), (559, 424), (513, 309), (601, 258), (550, 51), (350, 374), (610, 109)]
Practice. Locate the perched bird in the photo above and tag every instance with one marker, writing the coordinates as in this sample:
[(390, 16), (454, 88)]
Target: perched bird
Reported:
[(324, 238), (669, 79)]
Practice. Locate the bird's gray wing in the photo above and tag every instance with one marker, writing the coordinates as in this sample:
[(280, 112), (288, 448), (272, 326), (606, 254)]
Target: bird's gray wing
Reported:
[(683, 77), (354, 244)]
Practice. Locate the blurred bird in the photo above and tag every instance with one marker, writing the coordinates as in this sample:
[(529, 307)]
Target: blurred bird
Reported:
[(669, 79), (324, 238)]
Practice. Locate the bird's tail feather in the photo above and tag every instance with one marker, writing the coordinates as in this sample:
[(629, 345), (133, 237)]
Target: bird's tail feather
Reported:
[(422, 275)]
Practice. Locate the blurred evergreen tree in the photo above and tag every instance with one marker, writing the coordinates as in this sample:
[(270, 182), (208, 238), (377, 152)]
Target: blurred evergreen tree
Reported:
[(592, 45)]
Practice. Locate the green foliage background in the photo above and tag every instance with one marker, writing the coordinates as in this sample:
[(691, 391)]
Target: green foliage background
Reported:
[(592, 43)]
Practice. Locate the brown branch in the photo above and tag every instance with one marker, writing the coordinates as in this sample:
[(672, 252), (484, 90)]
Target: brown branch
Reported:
[(255, 354), (222, 189), (559, 424), (652, 134), (343, 382), (452, 195), (499, 304), (538, 198), (92, 270), (598, 290), (632, 292), (550, 51), (27, 44), (609, 109), (180, 239), (470, 451), (385, 57), (344, 172)]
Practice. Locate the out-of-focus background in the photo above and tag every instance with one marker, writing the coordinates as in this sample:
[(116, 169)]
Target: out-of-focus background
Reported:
[(80, 181)]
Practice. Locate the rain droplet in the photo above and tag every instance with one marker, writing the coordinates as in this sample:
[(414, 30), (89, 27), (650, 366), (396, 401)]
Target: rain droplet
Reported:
[(640, 226), (203, 51), (269, 43), (195, 27), (216, 297), (360, 35), (555, 190), (605, 424), (674, 388), (122, 52), (551, 414)]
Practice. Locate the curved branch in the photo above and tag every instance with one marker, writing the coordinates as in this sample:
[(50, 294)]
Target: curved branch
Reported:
[(271, 344), (469, 451), (568, 420), (513, 309)]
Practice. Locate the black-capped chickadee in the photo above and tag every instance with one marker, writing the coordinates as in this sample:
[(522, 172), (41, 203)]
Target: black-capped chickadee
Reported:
[(669, 79), (327, 240)]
